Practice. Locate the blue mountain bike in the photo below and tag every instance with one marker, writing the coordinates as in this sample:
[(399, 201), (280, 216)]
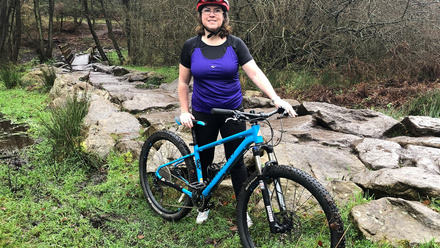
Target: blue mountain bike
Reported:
[(287, 206)]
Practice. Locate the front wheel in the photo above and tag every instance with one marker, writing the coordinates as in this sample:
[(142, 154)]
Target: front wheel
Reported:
[(160, 148), (303, 211)]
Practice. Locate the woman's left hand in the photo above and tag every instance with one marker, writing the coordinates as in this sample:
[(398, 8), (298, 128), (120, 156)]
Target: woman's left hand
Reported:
[(281, 103)]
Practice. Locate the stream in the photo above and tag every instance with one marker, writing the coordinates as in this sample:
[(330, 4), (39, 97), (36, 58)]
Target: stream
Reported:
[(13, 136)]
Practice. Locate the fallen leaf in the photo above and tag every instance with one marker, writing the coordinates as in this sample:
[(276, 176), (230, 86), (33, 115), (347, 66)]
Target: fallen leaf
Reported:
[(320, 243), (141, 237)]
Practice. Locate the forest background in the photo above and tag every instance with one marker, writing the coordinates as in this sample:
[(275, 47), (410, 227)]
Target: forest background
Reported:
[(374, 48)]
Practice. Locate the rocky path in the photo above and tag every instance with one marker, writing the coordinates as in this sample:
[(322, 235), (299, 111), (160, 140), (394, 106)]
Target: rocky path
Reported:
[(351, 152)]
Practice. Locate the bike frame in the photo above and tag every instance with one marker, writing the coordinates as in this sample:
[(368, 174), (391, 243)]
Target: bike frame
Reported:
[(250, 136)]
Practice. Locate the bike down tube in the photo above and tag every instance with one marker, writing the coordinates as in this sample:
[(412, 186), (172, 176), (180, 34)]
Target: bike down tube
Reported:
[(173, 185), (250, 135)]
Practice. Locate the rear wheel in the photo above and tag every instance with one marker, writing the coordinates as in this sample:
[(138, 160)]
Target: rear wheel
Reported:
[(305, 213), (160, 148)]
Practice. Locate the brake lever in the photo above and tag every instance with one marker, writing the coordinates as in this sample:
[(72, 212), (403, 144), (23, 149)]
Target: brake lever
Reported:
[(231, 118), (283, 115)]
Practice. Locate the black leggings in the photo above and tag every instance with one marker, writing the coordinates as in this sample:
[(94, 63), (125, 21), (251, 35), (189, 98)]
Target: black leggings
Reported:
[(209, 133)]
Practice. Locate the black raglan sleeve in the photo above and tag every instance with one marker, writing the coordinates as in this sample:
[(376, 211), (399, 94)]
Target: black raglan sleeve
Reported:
[(241, 50), (187, 50)]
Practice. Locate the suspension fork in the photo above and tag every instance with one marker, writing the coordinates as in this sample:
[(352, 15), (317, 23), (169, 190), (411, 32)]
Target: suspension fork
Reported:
[(262, 171)]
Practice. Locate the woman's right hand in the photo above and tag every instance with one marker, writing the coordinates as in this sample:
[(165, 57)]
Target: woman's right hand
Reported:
[(186, 119)]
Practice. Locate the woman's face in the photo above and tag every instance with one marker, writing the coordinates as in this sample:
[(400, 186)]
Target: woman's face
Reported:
[(212, 17)]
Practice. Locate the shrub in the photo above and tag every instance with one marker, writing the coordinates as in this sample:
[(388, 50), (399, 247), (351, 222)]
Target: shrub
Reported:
[(49, 77), (62, 129), (10, 76)]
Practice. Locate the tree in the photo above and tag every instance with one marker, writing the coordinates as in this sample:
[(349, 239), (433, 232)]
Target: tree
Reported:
[(44, 52), (110, 32), (92, 31), (10, 30)]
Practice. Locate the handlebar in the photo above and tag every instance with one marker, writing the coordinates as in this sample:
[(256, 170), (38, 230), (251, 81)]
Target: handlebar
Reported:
[(239, 115)]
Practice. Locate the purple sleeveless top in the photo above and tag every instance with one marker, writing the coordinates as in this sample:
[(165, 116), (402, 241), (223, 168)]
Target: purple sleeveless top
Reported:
[(216, 81)]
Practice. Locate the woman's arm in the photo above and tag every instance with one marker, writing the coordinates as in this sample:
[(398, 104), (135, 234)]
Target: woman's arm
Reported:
[(257, 76), (183, 90)]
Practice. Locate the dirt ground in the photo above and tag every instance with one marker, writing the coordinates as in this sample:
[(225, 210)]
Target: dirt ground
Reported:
[(379, 94)]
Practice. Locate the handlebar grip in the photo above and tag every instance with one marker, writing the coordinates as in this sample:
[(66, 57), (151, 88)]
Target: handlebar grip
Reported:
[(218, 111), (195, 122)]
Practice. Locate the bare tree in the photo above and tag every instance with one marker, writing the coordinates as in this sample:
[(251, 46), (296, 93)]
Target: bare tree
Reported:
[(44, 52), (92, 31), (10, 30), (110, 32)]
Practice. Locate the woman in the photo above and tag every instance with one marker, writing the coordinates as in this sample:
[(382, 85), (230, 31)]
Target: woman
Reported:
[(213, 58)]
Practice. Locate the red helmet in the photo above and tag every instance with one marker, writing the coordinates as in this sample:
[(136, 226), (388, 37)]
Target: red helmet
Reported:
[(223, 3)]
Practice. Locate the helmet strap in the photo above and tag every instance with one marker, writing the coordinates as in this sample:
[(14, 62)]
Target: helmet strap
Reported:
[(212, 33)]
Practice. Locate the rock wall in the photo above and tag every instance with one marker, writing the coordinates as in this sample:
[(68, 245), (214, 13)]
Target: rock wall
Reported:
[(350, 152)]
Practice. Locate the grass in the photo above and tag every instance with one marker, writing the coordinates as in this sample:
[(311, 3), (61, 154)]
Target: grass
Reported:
[(10, 77), (21, 106), (426, 104), (47, 203), (170, 73)]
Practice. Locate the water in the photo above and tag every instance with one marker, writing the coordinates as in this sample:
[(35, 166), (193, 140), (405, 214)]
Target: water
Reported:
[(13, 136)]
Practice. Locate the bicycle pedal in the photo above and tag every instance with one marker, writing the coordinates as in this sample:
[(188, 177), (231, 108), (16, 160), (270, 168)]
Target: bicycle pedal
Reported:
[(197, 185)]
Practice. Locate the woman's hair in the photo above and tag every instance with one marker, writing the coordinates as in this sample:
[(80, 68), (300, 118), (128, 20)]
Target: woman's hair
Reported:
[(225, 29)]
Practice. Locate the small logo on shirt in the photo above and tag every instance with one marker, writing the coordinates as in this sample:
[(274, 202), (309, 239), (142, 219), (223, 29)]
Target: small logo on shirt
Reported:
[(213, 66)]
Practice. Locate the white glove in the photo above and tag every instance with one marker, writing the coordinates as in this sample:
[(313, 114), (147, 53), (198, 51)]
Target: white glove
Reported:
[(186, 119), (281, 103)]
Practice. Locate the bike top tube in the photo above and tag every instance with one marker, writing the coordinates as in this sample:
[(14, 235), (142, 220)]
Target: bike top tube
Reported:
[(250, 136)]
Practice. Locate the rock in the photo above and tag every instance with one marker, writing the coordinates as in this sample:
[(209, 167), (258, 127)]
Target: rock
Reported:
[(426, 158), (326, 137), (418, 141), (152, 100), (422, 125), (364, 122), (397, 221), (410, 183), (324, 163), (99, 142), (379, 154), (260, 102), (146, 77), (98, 67), (120, 71), (132, 146), (100, 108), (344, 192)]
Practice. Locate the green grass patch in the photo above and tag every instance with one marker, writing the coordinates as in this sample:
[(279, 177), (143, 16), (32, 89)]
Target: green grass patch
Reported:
[(424, 104), (113, 57), (170, 73), (22, 106)]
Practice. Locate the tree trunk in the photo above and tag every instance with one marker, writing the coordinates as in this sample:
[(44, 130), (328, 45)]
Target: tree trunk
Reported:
[(127, 27), (50, 31), (110, 33), (4, 27), (16, 44), (92, 31), (40, 48)]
